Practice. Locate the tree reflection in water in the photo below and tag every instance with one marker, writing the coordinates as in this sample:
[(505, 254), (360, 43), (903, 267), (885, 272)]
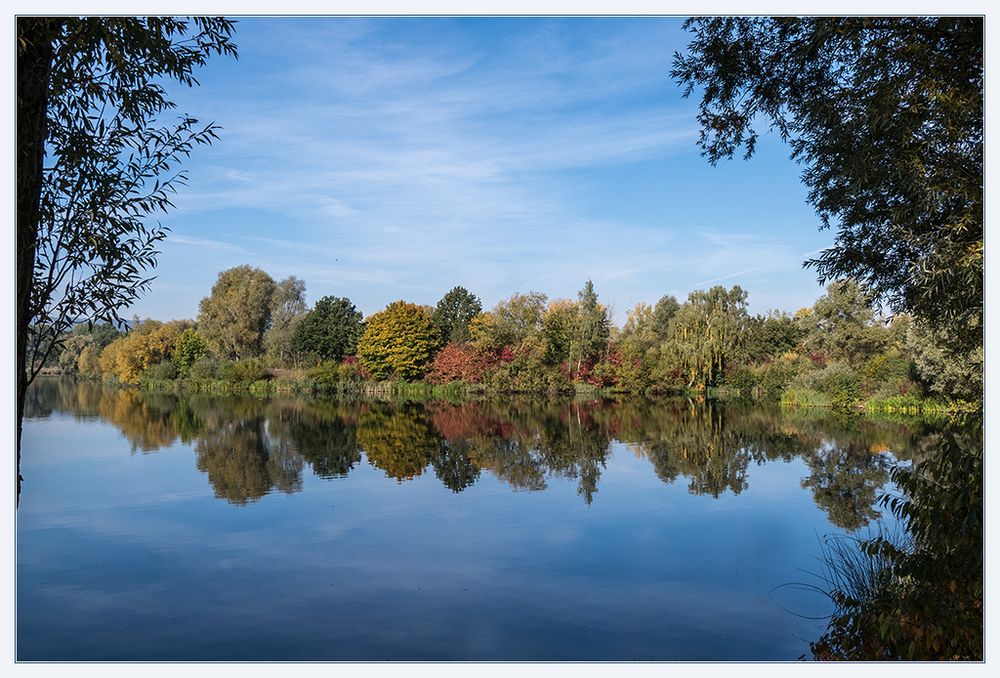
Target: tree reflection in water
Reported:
[(249, 446), (929, 600), (918, 595)]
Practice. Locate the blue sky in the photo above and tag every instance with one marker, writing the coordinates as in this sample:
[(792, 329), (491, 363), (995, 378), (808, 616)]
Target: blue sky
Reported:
[(394, 158)]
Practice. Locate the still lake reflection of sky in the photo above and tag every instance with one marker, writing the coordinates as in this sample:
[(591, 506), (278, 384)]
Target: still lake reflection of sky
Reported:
[(124, 555)]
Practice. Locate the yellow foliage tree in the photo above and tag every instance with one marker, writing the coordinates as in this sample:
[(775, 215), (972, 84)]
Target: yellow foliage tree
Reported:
[(399, 342), (128, 357)]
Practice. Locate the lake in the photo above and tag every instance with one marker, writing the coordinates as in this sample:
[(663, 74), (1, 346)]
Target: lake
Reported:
[(202, 527)]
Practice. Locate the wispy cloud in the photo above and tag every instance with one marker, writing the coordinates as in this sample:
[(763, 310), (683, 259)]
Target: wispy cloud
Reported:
[(207, 244), (383, 158), (730, 276)]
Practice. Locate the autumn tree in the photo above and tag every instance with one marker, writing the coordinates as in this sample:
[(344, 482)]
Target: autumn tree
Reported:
[(457, 361), (234, 317), (399, 342), (401, 442), (95, 160), (150, 342), (330, 330), (886, 116), (86, 340), (454, 312), (288, 307)]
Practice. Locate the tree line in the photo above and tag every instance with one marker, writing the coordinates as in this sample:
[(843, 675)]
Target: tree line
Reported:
[(253, 329)]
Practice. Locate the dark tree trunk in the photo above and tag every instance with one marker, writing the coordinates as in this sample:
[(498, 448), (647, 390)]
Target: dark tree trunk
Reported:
[(34, 65)]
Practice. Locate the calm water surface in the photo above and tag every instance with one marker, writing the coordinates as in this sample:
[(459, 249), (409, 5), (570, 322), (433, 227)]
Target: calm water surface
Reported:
[(157, 527)]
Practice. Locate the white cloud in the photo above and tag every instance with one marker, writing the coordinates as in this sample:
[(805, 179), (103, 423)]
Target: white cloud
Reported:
[(379, 163)]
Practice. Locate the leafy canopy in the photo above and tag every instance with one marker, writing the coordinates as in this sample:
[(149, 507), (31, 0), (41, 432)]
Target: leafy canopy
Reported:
[(109, 160), (399, 342), (886, 116), (330, 331), (234, 317), (288, 307), (841, 325), (705, 334), (454, 312)]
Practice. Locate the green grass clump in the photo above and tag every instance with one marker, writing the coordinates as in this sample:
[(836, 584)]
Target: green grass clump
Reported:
[(805, 397)]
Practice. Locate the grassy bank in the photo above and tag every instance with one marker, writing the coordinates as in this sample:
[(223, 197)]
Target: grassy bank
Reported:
[(306, 383)]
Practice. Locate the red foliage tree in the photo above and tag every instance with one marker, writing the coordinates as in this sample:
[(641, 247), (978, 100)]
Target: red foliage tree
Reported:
[(457, 361)]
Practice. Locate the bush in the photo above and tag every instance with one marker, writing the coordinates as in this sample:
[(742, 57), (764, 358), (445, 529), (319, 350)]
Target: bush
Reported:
[(837, 381), (250, 369), (333, 376), (457, 362), (525, 376), (188, 349), (804, 397), (161, 371), (774, 377), (742, 379), (623, 370), (841, 383), (325, 376), (203, 369), (889, 374)]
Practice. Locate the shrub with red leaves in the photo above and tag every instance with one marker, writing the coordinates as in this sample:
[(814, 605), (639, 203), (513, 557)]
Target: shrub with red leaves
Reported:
[(457, 361), (818, 359)]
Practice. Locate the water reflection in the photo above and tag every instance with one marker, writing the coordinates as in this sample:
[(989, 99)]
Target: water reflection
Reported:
[(249, 447)]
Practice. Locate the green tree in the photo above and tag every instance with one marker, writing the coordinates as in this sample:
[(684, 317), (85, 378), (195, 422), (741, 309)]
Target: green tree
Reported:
[(243, 463), (770, 336), (188, 349), (453, 467), (944, 371), (288, 307), (94, 162), (454, 312), (234, 317), (639, 323), (329, 331), (664, 311), (590, 337), (841, 325), (886, 115), (511, 321), (845, 480), (325, 438), (558, 329), (705, 334), (399, 342)]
